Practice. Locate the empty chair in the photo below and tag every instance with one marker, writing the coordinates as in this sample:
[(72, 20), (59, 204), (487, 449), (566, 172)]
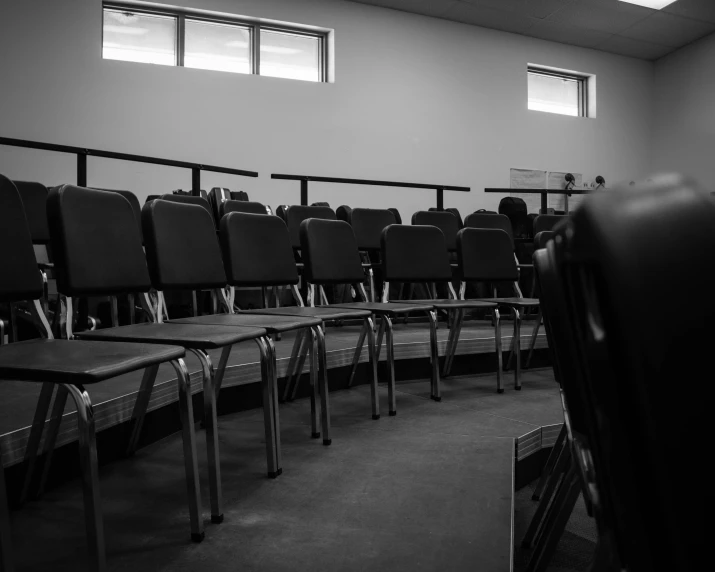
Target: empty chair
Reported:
[(419, 254), (443, 220), (454, 211), (398, 218), (331, 257), (296, 214), (645, 427), (368, 225), (485, 255), (344, 212), (189, 200), (490, 220), (257, 252), (547, 222), (34, 200), (232, 206), (71, 366)]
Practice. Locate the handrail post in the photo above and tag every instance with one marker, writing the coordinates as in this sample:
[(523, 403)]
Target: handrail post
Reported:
[(304, 192), (82, 169), (440, 198), (196, 181)]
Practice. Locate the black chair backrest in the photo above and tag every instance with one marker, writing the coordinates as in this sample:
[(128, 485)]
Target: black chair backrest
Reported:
[(485, 254), (257, 250), (96, 244), (515, 209), (398, 218), (330, 252), (368, 225), (19, 276), (34, 199), (415, 254), (134, 201), (320, 204), (344, 212), (182, 248), (443, 220), (546, 222), (296, 214), (542, 238), (490, 220), (454, 211), (233, 206), (648, 427), (281, 212), (189, 200)]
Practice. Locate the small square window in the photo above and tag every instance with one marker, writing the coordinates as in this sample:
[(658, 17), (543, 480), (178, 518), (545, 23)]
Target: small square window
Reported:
[(292, 56), (137, 37), (214, 46), (557, 92)]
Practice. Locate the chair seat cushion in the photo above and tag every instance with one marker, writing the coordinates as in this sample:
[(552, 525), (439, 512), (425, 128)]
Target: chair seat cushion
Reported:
[(197, 337), (79, 362), (448, 304), (272, 324), (322, 312), (387, 308), (516, 302)]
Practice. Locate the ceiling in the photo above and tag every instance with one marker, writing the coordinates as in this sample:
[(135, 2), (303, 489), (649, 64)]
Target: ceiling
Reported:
[(607, 25)]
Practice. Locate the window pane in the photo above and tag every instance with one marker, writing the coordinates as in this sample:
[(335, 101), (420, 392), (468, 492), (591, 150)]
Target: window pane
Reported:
[(290, 55), (139, 37), (222, 47), (553, 94)]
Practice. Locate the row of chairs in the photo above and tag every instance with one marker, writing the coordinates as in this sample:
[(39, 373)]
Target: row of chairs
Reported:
[(634, 439), (97, 249)]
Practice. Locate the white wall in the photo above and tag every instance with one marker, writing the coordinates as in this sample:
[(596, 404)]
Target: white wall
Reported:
[(684, 112), (415, 99)]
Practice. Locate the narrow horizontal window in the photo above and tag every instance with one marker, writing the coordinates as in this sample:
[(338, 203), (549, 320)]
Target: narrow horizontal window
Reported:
[(221, 47), (556, 92), (292, 56), (137, 37)]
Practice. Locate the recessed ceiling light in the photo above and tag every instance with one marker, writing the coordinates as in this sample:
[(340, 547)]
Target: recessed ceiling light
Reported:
[(655, 4)]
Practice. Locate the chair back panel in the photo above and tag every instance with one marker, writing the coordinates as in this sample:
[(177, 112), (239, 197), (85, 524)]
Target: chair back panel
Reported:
[(443, 220), (368, 225), (415, 254), (182, 247), (134, 201), (256, 250), (19, 276), (486, 254), (96, 243), (189, 200), (34, 199), (296, 214), (232, 206), (547, 222), (330, 252), (542, 238), (490, 220)]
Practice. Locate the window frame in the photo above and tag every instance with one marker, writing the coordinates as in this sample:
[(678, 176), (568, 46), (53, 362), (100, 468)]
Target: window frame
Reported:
[(580, 79), (255, 26)]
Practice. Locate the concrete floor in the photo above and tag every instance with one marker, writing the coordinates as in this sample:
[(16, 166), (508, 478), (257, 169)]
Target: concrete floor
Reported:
[(428, 489)]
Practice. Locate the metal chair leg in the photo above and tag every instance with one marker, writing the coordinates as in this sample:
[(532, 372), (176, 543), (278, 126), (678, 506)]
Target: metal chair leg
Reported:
[(323, 382), (374, 395), (497, 342), (301, 363), (292, 362), (358, 352), (550, 463), (454, 334), (273, 371), (314, 372), (532, 342), (140, 408), (5, 536), (33, 441), (221, 370), (269, 423), (211, 426), (434, 354), (90, 476), (517, 349), (389, 342), (186, 409), (53, 430), (380, 334)]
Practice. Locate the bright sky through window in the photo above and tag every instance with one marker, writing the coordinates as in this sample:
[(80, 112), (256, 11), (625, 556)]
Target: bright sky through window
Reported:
[(553, 94), (146, 38)]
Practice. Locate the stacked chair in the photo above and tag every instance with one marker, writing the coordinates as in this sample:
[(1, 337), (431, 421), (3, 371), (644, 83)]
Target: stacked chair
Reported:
[(633, 433)]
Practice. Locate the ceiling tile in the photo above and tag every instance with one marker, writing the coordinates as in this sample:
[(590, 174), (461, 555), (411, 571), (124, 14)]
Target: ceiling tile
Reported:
[(542, 8), (567, 34), (669, 29), (703, 10), (634, 48), (424, 7), (489, 18), (509, 5), (593, 16)]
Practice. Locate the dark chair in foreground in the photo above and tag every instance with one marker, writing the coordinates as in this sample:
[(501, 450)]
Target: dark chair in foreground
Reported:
[(485, 255), (69, 366), (418, 254), (540, 241), (331, 257), (443, 220), (547, 222), (646, 433), (257, 252)]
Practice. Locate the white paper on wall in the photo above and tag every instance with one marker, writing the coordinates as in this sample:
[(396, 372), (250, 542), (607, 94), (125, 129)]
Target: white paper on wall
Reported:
[(528, 179)]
